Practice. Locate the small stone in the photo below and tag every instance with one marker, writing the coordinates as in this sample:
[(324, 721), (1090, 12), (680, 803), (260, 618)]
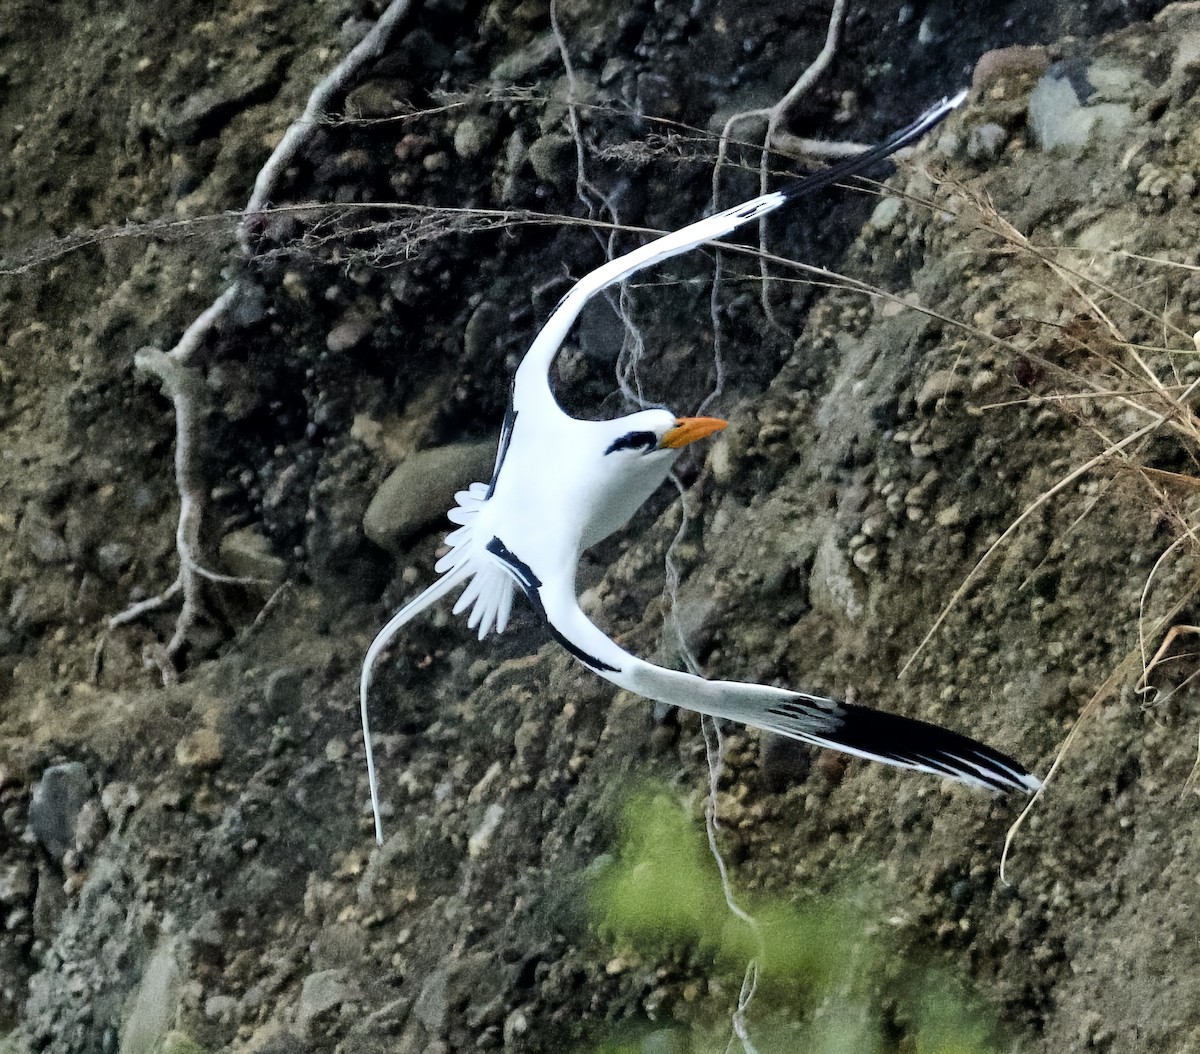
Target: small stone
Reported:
[(55, 805), (481, 840), (473, 135), (247, 554), (421, 489), (156, 1001), (485, 326), (1018, 60), (1059, 120), (938, 385), (885, 213), (521, 63), (336, 750), (949, 517), (986, 142), (118, 800), (322, 991), (432, 1007), (113, 559), (349, 331), (282, 692), (16, 884), (551, 156), (44, 542), (200, 750), (865, 557), (217, 1006), (515, 1026), (372, 100)]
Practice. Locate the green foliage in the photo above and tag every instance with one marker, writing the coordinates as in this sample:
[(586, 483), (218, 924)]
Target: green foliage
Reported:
[(820, 972), (664, 894), (948, 1024)]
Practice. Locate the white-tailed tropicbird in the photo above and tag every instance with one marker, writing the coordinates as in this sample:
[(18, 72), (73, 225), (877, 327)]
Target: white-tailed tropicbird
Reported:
[(560, 485)]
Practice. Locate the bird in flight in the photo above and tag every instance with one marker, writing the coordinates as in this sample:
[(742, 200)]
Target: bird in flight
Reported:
[(560, 485)]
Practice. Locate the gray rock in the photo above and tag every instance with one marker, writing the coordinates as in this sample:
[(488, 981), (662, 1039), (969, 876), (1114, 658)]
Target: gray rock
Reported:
[(484, 327), (1061, 122), (322, 991), (16, 884), (420, 491), (55, 804), (524, 61), (44, 542), (349, 331), (432, 1007), (156, 1002), (986, 142), (112, 558)]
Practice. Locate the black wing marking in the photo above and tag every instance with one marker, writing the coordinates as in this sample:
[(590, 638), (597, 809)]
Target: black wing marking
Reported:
[(851, 166), (906, 741), (531, 584), (506, 431)]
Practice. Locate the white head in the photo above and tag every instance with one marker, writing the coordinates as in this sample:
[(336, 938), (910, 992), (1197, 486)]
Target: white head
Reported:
[(653, 437), (631, 457)]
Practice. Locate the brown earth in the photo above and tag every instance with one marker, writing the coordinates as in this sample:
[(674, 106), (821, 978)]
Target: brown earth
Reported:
[(217, 883)]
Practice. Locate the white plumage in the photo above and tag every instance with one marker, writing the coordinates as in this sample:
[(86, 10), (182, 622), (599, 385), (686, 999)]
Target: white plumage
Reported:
[(560, 485)]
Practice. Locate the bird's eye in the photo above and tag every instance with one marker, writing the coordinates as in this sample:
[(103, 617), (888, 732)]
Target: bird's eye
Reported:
[(634, 441)]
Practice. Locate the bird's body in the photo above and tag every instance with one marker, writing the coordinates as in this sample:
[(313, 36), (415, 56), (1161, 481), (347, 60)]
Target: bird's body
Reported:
[(560, 485)]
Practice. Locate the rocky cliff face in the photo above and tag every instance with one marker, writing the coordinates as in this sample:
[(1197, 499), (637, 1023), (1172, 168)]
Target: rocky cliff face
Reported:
[(1004, 373)]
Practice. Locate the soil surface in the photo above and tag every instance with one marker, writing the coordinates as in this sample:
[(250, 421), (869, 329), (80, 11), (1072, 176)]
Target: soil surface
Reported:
[(186, 853)]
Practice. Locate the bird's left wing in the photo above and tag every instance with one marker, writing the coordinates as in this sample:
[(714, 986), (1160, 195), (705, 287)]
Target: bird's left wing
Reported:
[(900, 741), (531, 386)]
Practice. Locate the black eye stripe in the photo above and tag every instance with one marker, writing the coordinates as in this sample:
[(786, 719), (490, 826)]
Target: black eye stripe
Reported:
[(633, 440)]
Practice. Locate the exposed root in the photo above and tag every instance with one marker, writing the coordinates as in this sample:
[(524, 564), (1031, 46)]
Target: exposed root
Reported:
[(176, 369), (774, 116)]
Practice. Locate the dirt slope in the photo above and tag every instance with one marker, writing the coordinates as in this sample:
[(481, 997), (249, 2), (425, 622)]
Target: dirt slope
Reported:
[(193, 861)]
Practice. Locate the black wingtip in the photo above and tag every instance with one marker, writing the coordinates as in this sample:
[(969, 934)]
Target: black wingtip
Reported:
[(852, 166), (910, 743)]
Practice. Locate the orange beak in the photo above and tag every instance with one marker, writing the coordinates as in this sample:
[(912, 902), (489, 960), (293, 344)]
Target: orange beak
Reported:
[(689, 429)]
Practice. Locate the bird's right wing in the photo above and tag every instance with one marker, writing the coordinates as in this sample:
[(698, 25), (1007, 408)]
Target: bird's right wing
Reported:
[(900, 741), (531, 386)]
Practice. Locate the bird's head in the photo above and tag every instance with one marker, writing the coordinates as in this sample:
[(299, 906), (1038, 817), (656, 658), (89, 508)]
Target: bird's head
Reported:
[(653, 437), (632, 456)]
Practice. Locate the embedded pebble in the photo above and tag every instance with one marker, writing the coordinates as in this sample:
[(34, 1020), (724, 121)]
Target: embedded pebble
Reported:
[(865, 557), (986, 142), (55, 804), (550, 156), (320, 992), (473, 135), (348, 332), (200, 749), (282, 692), (44, 541), (247, 554)]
